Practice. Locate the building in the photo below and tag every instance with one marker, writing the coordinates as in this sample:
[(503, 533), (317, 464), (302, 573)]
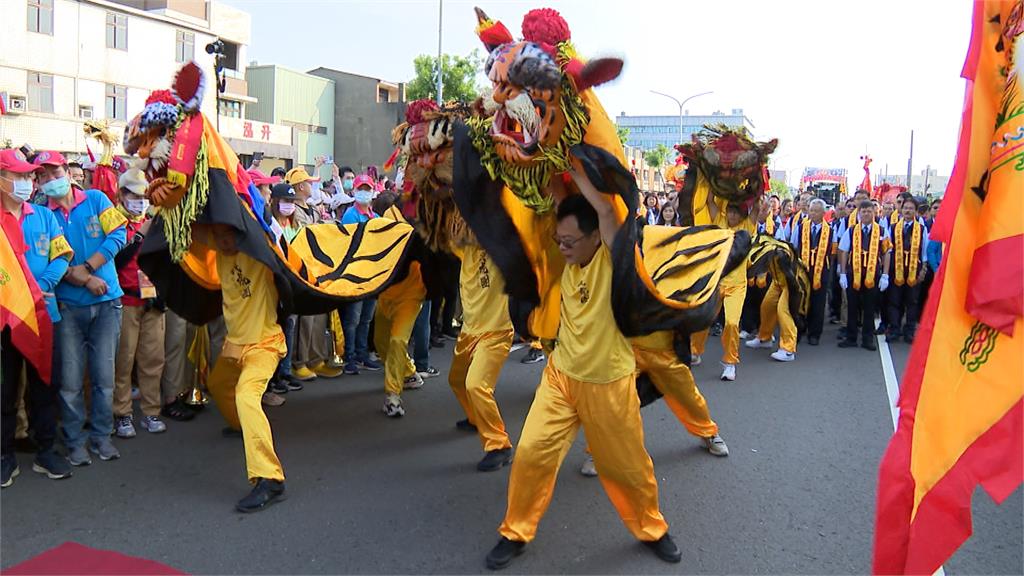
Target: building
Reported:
[(646, 132), (66, 61), (648, 179), (366, 110), (301, 104), (927, 183)]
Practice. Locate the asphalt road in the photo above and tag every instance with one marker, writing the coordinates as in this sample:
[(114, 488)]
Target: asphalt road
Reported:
[(368, 494)]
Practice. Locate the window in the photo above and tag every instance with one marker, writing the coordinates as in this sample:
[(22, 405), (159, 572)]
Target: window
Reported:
[(383, 95), (230, 108), (117, 102), (184, 46), (117, 31), (40, 16), (40, 92), (230, 60)]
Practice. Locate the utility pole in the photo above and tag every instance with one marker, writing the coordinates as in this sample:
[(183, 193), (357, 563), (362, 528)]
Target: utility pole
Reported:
[(910, 161), (440, 74), (681, 104)]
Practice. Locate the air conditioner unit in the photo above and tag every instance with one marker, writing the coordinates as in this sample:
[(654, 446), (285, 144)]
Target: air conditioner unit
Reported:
[(17, 105), (85, 112)]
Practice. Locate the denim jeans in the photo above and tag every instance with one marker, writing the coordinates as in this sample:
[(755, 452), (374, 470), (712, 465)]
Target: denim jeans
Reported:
[(87, 334), (355, 323), (421, 339), (284, 366)]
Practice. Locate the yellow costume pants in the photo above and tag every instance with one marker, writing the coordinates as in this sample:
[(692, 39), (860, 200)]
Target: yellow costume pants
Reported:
[(732, 299), (474, 373), (236, 384), (675, 381), (392, 328), (610, 415), (775, 309)]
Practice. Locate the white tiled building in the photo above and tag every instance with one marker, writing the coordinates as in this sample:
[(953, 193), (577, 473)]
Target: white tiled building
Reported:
[(64, 61)]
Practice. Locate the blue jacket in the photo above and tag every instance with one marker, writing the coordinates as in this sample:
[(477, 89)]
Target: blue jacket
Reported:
[(354, 216), (48, 252), (934, 255), (92, 225)]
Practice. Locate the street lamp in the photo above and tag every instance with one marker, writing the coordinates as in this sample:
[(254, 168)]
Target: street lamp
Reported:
[(681, 104)]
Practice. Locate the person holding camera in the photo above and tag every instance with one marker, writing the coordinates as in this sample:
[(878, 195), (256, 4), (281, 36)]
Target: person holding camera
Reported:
[(141, 346)]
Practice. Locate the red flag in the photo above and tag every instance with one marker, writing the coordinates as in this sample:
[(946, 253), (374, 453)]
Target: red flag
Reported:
[(22, 307), (961, 419)]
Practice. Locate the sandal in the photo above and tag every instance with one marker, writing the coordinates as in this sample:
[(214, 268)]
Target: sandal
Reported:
[(178, 410)]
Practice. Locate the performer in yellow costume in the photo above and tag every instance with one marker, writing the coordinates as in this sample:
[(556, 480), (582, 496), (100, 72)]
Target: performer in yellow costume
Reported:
[(575, 390), (480, 351)]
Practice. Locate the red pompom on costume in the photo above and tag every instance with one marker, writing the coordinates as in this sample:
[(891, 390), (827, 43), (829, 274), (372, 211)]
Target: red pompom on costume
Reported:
[(545, 26)]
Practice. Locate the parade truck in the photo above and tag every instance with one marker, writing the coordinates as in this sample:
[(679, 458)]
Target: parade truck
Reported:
[(829, 184)]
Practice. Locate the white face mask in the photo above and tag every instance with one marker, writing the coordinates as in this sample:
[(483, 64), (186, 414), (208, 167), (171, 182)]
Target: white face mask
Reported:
[(21, 189), (364, 197), (137, 206), (286, 208)]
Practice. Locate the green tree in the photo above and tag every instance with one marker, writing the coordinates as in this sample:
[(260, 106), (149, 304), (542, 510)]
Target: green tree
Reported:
[(623, 133), (458, 81), (657, 157), (780, 188)]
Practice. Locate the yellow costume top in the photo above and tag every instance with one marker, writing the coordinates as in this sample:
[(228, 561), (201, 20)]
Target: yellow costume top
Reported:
[(590, 346), (250, 298), (482, 290), (410, 288)]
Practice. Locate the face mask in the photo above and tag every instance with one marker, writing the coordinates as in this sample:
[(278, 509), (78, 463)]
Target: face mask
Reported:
[(137, 206), (21, 189), (286, 208), (364, 197), (347, 185), (58, 188)]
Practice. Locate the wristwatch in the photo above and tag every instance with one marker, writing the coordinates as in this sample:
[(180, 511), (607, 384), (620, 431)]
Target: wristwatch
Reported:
[(89, 267)]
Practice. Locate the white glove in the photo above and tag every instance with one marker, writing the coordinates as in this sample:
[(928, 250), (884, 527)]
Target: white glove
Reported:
[(883, 283), (844, 283)]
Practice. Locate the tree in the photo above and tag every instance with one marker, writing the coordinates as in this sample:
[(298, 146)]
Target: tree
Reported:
[(623, 134), (779, 188), (657, 157), (458, 81)]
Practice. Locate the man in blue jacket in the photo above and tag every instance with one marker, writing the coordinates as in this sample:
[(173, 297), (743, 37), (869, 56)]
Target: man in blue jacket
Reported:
[(47, 255), (89, 299)]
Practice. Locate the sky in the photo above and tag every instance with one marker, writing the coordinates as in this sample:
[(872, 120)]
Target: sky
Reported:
[(830, 79)]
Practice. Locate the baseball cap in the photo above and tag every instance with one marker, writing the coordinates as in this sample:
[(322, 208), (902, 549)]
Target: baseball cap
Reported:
[(134, 180), (282, 190), (298, 175), (11, 161), (50, 158), (364, 180)]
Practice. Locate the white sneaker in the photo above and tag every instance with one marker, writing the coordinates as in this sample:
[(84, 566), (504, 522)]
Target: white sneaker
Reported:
[(695, 360), (783, 356), (756, 342), (716, 446), (124, 427), (393, 406), (588, 469), (413, 382), (729, 372), (744, 335), (152, 424)]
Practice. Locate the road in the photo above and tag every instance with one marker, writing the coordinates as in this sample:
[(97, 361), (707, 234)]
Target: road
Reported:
[(368, 494)]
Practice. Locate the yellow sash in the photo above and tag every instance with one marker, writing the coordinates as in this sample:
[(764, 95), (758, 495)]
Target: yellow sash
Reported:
[(769, 226), (911, 258), (820, 252), (858, 256)]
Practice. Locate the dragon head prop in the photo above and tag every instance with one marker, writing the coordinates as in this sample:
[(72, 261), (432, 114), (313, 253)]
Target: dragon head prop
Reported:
[(426, 141), (535, 112), (734, 165)]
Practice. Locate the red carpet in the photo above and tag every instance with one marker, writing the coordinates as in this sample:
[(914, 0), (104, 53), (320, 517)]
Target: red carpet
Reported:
[(73, 558)]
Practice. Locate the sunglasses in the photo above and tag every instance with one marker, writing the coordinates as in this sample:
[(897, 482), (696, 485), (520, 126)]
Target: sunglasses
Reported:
[(567, 243)]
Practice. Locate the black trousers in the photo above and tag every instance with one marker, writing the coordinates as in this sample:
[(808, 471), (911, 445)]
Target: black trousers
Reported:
[(816, 311), (835, 299), (442, 310), (903, 308), (750, 318), (861, 306), (41, 402)]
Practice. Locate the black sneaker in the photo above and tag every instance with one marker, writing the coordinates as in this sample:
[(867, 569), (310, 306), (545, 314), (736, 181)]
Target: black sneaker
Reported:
[(263, 494), (533, 356), (495, 460), (716, 330), (9, 469), (665, 548), (279, 386), (869, 345), (178, 410), (229, 432), (846, 343), (503, 552), (293, 385), (436, 342), (465, 425), (52, 464)]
